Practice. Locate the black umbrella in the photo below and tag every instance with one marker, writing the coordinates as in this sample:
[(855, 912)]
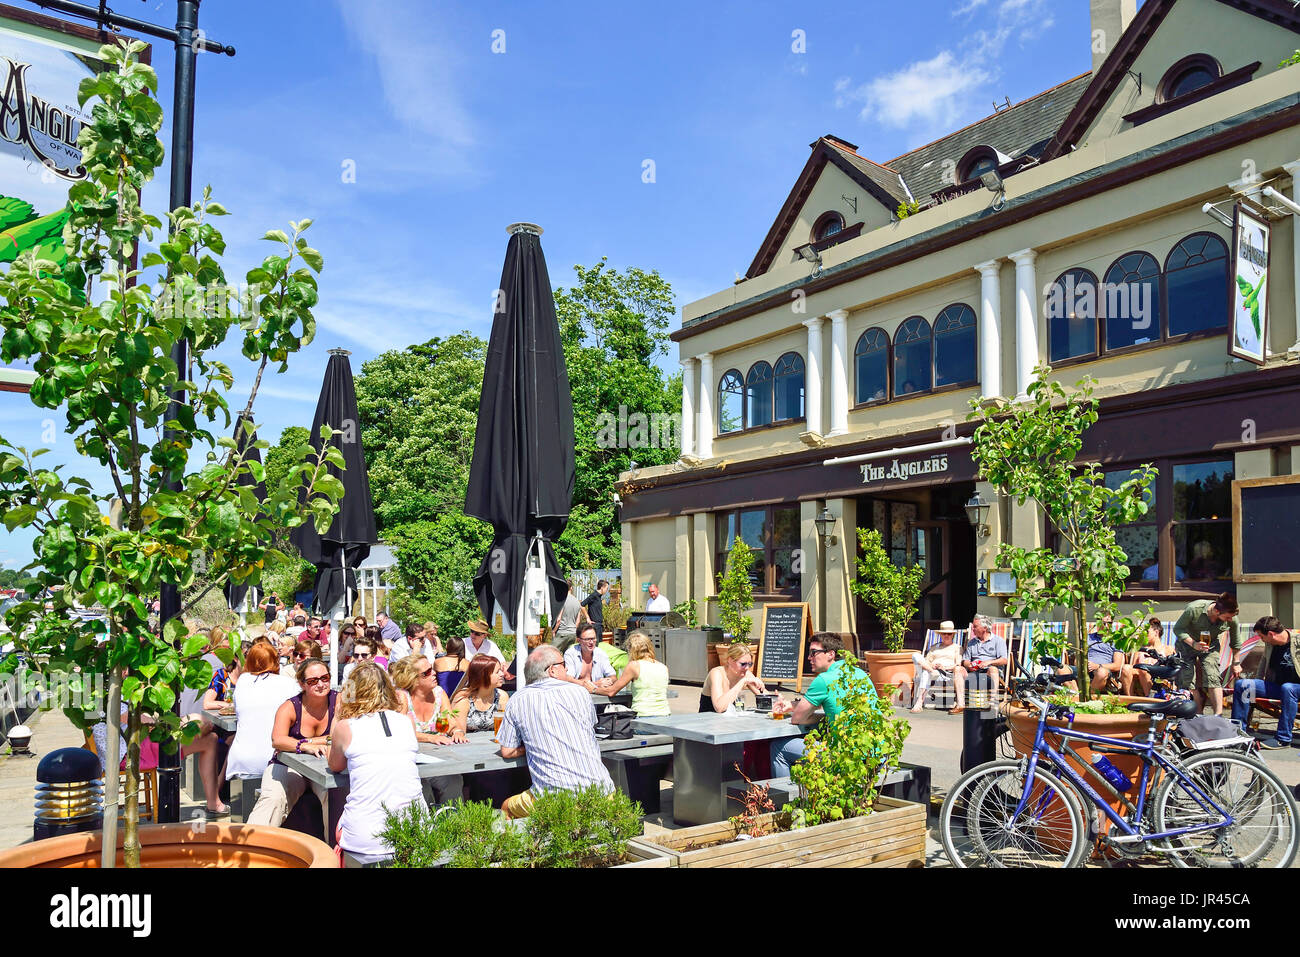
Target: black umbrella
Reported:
[(346, 543), (521, 479), (245, 438)]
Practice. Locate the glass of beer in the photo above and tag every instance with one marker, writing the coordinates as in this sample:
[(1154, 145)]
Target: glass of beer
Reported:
[(496, 723)]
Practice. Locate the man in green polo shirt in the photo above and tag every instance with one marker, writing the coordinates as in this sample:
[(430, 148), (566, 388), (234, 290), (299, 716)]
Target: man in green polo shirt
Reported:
[(1198, 638), (824, 655)]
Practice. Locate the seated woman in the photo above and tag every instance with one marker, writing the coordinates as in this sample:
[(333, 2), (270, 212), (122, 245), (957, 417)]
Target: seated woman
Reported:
[(302, 726), (380, 646), (647, 675), (418, 692), (1141, 682), (451, 667), (376, 744), (724, 684), (258, 697), (480, 696), (307, 648)]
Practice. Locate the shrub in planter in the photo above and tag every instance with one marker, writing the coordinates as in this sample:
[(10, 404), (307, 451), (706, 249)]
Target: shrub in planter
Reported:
[(736, 592), (892, 592)]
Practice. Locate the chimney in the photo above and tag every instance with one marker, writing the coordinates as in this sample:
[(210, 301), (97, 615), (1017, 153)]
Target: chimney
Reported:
[(1110, 18)]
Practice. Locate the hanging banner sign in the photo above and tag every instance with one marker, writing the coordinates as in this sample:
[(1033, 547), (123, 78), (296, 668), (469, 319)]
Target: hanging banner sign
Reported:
[(899, 471), (1248, 292)]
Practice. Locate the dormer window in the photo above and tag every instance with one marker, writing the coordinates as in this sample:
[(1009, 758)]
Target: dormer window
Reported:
[(1187, 76), (827, 225), (978, 161)]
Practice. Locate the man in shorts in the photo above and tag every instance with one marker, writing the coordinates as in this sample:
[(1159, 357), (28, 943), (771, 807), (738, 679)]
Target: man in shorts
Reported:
[(1197, 638)]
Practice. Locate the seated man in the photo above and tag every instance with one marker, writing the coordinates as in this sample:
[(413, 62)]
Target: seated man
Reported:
[(824, 655), (1280, 680), (985, 653), (585, 663), (552, 724), (1105, 664), (942, 659)]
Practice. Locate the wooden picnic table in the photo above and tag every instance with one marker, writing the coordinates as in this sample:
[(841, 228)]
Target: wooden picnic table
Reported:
[(706, 746)]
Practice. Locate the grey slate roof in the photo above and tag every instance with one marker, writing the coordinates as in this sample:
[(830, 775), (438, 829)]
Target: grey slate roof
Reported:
[(885, 178), (1023, 129)]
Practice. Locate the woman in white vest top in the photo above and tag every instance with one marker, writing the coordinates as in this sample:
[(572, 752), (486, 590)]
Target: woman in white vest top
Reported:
[(376, 743)]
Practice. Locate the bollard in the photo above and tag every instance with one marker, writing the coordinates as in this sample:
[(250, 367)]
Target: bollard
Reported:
[(69, 793)]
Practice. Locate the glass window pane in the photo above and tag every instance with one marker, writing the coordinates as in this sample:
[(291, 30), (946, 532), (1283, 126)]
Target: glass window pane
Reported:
[(751, 528), (1130, 301), (955, 346), (1203, 490), (731, 393), (783, 567), (1114, 479), (872, 376), (1190, 81), (912, 357), (789, 387), (785, 527), (1204, 551), (1196, 280), (1071, 310), (1140, 544), (758, 571), (758, 395)]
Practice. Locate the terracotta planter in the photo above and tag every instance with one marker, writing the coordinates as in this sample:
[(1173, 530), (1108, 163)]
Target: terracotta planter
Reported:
[(889, 668), (892, 836), (182, 845)]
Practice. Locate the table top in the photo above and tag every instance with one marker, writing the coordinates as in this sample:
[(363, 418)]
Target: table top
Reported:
[(725, 728), (226, 722), (479, 753)]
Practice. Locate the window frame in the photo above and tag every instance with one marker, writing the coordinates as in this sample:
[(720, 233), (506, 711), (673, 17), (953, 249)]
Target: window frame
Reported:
[(1227, 290), (803, 391), (820, 223), (934, 349), (771, 396), (718, 425), (966, 165), (889, 367), (1097, 351), (1164, 90), (893, 372), (767, 587), (1103, 319)]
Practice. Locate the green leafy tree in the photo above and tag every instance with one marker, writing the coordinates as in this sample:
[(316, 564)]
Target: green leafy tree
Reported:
[(108, 363), (1028, 451), (436, 565), (736, 592), (890, 590)]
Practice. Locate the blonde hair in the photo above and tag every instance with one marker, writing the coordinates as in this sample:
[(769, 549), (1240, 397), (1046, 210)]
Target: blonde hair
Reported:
[(735, 651), (277, 627), (640, 647), (405, 673), (366, 691)]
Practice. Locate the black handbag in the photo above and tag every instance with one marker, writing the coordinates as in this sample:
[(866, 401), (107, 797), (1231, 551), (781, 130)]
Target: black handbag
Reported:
[(615, 722)]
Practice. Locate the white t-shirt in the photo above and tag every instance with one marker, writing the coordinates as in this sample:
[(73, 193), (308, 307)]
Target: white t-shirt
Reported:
[(382, 777), (487, 648), (257, 698), (659, 604)]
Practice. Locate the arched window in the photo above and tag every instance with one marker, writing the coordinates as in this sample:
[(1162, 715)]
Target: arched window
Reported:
[(955, 346), (1196, 284), (1188, 75), (731, 402), (912, 357), (789, 387), (1072, 315), (1130, 301), (827, 225), (871, 364), (758, 395)]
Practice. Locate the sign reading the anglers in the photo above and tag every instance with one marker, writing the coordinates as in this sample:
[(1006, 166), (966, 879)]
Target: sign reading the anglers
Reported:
[(1248, 292), (898, 471), (782, 641)]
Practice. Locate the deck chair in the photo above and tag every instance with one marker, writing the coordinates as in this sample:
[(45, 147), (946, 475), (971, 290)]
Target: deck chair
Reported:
[(1031, 630), (148, 793), (942, 682)]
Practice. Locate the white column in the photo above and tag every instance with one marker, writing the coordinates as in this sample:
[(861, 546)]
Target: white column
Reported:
[(708, 388), (812, 396), (839, 371), (990, 328), (1293, 169), (689, 390), (1026, 319)]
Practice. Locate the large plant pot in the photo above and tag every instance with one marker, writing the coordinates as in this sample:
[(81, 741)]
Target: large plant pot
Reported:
[(1123, 727), (892, 836), (889, 668), (182, 845)]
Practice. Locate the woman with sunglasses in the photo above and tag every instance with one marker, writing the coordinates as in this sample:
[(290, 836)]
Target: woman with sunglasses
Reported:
[(302, 726), (307, 648), (418, 691), (724, 684), (363, 652)]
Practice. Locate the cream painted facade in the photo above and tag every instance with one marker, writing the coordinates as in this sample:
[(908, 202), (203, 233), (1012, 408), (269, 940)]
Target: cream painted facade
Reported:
[(1123, 188)]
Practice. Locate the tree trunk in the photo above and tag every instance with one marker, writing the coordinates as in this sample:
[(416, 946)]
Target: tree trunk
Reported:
[(1081, 650), (112, 738), (131, 839)]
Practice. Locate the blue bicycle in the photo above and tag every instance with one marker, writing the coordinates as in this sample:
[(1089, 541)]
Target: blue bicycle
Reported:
[(1216, 808)]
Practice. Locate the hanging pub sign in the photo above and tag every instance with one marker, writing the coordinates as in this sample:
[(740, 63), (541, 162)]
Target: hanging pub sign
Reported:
[(902, 469), (1248, 291)]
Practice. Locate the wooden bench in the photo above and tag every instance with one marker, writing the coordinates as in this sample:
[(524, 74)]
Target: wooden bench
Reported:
[(637, 773)]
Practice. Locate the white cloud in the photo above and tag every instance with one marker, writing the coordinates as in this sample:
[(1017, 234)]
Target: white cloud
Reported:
[(969, 7)]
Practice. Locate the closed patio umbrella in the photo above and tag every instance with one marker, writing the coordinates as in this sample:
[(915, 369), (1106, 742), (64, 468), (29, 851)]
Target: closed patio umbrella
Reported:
[(522, 474)]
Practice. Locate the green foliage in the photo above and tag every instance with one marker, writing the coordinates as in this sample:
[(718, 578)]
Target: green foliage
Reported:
[(847, 755), (1293, 59), (107, 366), (1106, 704), (907, 209), (436, 564), (687, 610), (754, 803), (736, 592), (9, 665), (891, 591), (617, 611), (1028, 451), (586, 828)]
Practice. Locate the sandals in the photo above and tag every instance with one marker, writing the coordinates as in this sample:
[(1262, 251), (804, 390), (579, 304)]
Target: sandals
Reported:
[(212, 815)]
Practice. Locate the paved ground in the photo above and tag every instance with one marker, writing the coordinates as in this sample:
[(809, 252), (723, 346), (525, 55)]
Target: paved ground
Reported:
[(935, 741)]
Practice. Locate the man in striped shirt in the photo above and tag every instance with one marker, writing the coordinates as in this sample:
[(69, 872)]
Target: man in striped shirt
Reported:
[(551, 723)]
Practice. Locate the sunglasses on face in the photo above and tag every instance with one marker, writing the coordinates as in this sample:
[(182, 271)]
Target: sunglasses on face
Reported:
[(425, 674), (745, 664), (362, 654), (816, 651), (315, 681)]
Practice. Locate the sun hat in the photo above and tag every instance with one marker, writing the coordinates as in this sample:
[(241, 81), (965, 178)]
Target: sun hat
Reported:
[(478, 625), (947, 627)]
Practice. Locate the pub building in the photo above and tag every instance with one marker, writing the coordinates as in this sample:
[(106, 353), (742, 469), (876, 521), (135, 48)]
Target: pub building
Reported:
[(833, 381)]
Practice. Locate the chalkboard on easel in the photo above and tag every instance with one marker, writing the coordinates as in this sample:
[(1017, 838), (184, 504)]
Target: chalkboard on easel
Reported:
[(1266, 526), (782, 643)]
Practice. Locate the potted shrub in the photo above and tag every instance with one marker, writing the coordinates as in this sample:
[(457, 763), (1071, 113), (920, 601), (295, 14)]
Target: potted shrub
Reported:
[(735, 599), (892, 592), (99, 330), (838, 820), (586, 828)]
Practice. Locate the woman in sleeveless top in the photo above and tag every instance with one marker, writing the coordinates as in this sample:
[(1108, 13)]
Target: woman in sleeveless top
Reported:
[(481, 696), (724, 683), (258, 696), (423, 700), (302, 726), (647, 675), (450, 668), (376, 744)]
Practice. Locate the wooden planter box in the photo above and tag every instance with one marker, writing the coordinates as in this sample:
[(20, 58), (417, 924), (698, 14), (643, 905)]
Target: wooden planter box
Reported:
[(641, 853), (892, 836)]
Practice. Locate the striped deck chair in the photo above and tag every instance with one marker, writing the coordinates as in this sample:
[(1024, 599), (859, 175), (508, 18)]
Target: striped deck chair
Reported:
[(1030, 630), (942, 683)]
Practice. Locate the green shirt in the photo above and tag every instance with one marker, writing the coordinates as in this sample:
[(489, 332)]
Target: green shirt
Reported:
[(1195, 621), (821, 694)]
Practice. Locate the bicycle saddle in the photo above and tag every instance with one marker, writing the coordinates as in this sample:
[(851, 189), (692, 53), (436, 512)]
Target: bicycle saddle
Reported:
[(1159, 671), (1177, 708)]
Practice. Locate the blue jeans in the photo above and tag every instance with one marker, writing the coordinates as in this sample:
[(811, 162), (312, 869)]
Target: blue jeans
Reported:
[(785, 754), (1289, 694)]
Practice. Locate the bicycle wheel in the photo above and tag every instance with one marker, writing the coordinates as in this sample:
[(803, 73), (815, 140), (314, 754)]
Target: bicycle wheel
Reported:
[(980, 827), (1263, 832)]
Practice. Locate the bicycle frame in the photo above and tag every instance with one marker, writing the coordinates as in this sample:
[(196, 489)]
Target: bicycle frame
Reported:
[(1146, 750)]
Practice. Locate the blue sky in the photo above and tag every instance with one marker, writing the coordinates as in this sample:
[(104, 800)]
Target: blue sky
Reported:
[(451, 141)]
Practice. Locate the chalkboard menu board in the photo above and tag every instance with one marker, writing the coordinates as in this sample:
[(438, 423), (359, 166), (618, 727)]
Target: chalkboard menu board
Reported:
[(1266, 528), (782, 643)]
